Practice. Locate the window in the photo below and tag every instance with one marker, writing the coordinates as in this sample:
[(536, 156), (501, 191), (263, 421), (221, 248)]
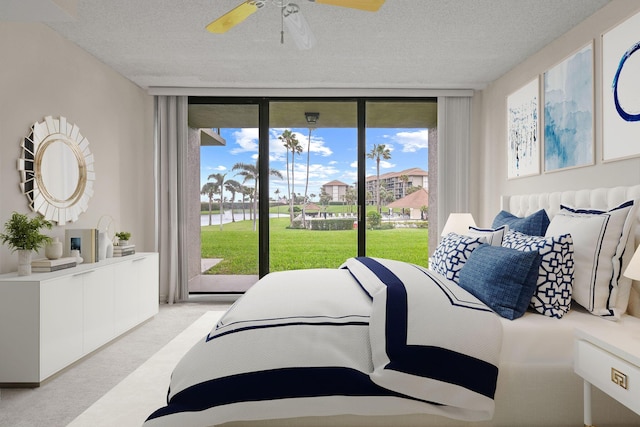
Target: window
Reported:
[(317, 205)]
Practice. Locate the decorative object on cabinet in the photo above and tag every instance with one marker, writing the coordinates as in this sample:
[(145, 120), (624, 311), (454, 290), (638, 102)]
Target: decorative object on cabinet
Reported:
[(84, 240), (523, 131), (44, 265), (56, 170), (124, 250), (23, 235), (106, 236), (620, 88), (123, 237), (75, 253), (54, 249), (568, 112)]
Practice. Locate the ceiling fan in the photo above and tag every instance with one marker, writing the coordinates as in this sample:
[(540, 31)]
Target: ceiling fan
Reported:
[(291, 16)]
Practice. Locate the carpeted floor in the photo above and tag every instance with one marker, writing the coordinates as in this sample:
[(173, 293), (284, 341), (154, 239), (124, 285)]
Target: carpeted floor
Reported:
[(67, 395)]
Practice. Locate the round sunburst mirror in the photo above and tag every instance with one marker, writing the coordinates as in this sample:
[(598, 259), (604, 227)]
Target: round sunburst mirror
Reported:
[(56, 170)]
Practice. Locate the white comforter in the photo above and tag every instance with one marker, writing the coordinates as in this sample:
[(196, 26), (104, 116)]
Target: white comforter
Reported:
[(375, 337)]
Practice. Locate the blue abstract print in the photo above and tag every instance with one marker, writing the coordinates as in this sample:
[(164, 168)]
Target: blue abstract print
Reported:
[(568, 112), (626, 116)]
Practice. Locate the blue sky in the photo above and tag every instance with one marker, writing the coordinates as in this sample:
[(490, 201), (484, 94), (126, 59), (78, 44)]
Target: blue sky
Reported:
[(333, 155)]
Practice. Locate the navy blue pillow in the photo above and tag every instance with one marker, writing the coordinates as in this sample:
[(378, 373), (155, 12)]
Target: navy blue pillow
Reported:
[(535, 224), (502, 278)]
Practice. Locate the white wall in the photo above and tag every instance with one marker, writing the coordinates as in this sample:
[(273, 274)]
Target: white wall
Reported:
[(489, 149), (42, 74)]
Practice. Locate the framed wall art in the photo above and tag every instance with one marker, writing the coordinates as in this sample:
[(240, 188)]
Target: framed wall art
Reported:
[(568, 112), (621, 90), (523, 131)]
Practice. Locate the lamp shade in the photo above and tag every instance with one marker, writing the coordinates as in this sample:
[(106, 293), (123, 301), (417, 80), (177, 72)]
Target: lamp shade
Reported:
[(633, 269), (458, 223)]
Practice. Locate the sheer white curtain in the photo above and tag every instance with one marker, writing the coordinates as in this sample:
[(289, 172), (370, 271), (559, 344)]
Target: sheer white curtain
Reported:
[(454, 136), (171, 155)]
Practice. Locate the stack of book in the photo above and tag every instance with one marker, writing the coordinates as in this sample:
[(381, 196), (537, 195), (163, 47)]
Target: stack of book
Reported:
[(44, 265), (124, 250)]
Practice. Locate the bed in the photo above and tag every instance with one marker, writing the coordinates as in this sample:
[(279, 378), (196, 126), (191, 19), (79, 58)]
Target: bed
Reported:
[(378, 342)]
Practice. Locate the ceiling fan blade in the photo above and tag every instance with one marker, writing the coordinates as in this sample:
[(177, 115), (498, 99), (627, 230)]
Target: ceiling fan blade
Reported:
[(368, 5), (232, 18), (299, 29)]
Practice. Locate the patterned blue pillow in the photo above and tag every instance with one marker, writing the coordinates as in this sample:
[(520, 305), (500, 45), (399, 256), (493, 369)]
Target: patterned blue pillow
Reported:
[(555, 277), (502, 278), (452, 253), (535, 224)]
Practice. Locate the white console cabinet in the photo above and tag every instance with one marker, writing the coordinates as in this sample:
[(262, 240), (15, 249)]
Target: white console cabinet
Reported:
[(50, 320)]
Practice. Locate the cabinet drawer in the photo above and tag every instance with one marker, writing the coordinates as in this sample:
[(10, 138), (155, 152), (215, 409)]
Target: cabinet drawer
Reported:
[(611, 374)]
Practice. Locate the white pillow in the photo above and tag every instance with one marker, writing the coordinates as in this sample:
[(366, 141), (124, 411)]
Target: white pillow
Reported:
[(493, 236), (599, 240)]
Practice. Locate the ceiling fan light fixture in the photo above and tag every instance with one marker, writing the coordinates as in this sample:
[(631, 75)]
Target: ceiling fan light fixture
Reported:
[(312, 118), (298, 27), (291, 16)]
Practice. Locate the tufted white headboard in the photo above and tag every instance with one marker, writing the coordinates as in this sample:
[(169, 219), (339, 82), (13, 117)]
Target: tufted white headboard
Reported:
[(598, 198)]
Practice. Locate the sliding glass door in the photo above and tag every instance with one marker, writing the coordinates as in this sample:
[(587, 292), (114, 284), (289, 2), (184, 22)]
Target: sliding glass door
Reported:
[(307, 183), (313, 161), (397, 179), (229, 140)]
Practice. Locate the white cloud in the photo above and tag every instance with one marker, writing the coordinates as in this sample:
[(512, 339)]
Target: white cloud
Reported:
[(386, 165), (412, 141), (349, 177), (316, 171), (276, 146), (246, 141), (317, 146)]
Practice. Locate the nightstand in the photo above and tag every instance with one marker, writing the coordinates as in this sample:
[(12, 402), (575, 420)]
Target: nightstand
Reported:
[(607, 356)]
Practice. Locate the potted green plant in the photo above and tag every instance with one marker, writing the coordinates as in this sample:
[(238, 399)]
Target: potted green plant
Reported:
[(22, 234), (123, 237)]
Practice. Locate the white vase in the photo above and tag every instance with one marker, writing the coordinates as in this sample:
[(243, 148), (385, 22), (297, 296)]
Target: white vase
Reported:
[(24, 262), (104, 243), (54, 249), (110, 249)]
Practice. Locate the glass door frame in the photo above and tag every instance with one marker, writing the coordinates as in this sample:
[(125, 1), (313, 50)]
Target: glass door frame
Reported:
[(263, 153)]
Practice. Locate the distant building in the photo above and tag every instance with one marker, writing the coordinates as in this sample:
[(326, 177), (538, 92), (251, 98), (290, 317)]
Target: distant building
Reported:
[(336, 189), (394, 183)]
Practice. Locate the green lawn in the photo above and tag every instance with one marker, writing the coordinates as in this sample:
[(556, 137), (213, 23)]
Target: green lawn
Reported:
[(237, 244)]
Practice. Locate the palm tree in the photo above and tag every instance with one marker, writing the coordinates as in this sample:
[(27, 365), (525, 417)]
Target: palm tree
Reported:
[(233, 187), (306, 185), (351, 196), (404, 179), (377, 152), (292, 144), (245, 191), (219, 177), (325, 198), (209, 190), (251, 172)]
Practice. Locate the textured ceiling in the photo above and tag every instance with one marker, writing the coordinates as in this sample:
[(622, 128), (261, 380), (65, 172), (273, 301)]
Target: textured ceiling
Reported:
[(422, 44)]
